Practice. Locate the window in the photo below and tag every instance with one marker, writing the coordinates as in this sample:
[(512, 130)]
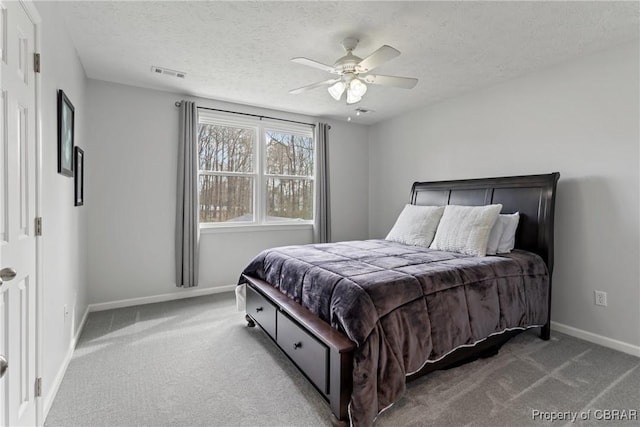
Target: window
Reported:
[(252, 172)]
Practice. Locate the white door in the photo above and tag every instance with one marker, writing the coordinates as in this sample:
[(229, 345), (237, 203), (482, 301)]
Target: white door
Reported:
[(17, 215)]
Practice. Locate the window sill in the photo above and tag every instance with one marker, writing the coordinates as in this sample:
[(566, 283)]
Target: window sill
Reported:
[(252, 228)]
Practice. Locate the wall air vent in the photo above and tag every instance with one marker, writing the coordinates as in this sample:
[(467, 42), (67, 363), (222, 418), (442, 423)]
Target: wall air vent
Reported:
[(168, 72)]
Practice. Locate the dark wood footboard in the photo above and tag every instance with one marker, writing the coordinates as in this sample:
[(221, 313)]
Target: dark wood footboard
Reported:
[(323, 354)]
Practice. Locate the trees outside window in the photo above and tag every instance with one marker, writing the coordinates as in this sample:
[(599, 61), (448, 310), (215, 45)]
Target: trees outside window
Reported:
[(252, 173), (289, 176)]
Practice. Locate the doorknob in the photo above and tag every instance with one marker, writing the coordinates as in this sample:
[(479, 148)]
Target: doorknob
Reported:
[(7, 274), (3, 366)]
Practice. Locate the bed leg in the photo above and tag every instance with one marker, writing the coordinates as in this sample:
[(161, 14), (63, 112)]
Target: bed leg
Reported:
[(250, 322), (545, 331)]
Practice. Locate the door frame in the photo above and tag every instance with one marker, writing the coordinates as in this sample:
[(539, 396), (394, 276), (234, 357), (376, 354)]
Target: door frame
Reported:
[(34, 16)]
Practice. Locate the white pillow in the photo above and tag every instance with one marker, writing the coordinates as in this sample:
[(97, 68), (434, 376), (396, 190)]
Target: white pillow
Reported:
[(503, 234), (465, 229), (494, 236), (416, 225), (508, 237)]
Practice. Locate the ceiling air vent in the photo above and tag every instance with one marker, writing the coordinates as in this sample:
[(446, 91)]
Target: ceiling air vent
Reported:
[(360, 111), (168, 72)]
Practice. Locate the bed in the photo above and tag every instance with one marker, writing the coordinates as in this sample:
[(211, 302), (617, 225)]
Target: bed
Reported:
[(361, 318)]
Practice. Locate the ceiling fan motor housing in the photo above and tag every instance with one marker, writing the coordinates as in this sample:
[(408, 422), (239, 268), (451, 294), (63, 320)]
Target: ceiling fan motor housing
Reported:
[(347, 64)]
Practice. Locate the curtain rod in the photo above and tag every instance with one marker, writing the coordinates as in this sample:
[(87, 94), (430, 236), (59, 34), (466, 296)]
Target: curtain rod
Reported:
[(178, 103)]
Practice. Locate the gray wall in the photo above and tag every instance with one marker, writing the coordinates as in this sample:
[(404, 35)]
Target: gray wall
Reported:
[(579, 118), (131, 196), (64, 272)]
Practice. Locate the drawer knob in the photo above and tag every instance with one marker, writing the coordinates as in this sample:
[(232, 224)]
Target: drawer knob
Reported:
[(259, 309), (297, 345)]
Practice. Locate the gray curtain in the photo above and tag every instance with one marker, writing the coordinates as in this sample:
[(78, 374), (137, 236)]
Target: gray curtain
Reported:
[(322, 228), (187, 228)]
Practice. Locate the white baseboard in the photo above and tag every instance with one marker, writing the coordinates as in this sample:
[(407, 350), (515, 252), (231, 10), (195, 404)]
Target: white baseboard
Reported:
[(624, 347), (187, 293), (55, 385)]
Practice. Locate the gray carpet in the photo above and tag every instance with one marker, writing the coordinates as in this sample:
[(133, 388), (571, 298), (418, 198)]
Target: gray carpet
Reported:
[(193, 362)]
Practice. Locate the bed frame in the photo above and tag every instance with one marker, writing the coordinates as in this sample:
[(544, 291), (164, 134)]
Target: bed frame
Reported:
[(325, 356)]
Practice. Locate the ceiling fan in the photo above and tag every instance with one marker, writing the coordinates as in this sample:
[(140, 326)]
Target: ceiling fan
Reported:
[(353, 73)]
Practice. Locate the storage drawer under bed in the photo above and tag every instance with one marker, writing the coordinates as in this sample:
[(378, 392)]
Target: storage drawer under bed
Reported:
[(311, 356), (262, 311), (322, 353)]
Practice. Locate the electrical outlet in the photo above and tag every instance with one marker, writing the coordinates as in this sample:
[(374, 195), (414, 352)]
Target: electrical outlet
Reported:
[(601, 298)]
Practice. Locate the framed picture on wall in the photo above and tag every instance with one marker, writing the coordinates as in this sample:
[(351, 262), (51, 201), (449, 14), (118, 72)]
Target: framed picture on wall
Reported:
[(66, 115), (79, 176)]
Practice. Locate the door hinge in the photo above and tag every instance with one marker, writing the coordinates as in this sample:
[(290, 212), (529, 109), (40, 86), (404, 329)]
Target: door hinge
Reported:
[(36, 62), (38, 226), (38, 386)]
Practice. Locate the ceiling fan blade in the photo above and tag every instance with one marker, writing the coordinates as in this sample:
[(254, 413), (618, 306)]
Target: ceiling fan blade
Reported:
[(315, 64), (313, 86), (403, 82), (377, 58)]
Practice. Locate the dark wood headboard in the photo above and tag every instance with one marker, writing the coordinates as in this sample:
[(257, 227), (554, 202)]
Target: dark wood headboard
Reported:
[(533, 196)]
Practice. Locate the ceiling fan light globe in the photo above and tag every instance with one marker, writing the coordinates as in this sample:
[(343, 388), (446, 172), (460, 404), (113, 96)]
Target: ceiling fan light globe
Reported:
[(337, 90), (352, 98), (357, 87)]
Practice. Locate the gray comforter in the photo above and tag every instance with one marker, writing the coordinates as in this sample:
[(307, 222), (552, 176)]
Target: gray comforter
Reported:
[(405, 305)]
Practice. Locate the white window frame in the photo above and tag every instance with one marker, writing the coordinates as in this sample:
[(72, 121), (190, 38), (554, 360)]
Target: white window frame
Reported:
[(261, 127)]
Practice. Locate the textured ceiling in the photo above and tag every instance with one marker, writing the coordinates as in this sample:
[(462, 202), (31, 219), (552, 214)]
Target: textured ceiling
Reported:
[(239, 51)]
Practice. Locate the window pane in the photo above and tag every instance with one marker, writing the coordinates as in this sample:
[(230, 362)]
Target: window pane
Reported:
[(225, 148), (226, 198), (289, 199), (289, 154)]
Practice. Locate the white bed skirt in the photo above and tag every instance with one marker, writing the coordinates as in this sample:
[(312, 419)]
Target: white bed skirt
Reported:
[(241, 297)]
